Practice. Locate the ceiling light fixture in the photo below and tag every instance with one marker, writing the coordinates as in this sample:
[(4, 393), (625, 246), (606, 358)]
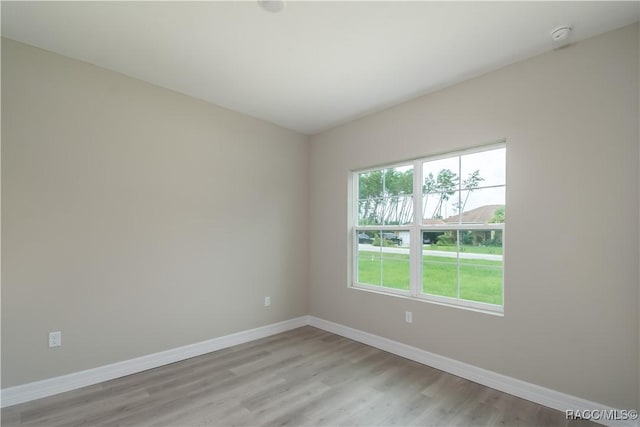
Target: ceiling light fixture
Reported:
[(273, 6), (561, 33)]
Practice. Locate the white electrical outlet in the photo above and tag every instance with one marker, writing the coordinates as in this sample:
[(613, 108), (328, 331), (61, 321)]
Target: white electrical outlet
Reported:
[(408, 317), (55, 339), (267, 301)]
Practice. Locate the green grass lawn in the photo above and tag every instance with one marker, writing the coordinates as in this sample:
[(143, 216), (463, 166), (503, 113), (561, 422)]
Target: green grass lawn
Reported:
[(389, 270), (480, 280), (492, 250)]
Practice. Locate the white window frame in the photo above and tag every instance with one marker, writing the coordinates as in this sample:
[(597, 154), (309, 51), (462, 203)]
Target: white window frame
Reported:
[(416, 229)]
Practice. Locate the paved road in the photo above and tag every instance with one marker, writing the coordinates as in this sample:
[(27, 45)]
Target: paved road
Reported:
[(400, 250)]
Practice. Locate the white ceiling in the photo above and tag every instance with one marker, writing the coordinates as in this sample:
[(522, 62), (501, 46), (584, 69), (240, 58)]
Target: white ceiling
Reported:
[(314, 65)]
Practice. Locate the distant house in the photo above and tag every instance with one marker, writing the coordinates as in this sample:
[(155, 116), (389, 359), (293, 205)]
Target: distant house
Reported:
[(433, 221), (481, 215)]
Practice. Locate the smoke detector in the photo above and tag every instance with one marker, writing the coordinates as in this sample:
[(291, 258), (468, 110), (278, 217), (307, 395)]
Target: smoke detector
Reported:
[(273, 6), (561, 33)]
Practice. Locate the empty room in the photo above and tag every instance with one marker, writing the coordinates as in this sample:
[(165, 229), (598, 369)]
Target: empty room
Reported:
[(320, 213)]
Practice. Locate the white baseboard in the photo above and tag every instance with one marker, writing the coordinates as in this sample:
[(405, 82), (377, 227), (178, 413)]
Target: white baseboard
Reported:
[(39, 389), (534, 393)]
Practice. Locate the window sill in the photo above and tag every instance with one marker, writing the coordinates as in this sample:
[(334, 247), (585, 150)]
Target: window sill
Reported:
[(442, 301)]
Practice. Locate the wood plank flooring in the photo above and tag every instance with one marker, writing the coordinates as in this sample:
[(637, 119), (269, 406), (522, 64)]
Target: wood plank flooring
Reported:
[(304, 377)]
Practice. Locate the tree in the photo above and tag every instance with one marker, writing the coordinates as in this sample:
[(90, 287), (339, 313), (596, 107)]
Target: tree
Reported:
[(498, 216), (385, 196), (445, 186), (471, 183)]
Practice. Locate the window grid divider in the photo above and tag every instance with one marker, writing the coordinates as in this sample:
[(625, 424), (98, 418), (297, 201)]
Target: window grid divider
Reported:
[(415, 244)]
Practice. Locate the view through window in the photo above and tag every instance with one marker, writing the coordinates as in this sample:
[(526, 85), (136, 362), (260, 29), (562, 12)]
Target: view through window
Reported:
[(452, 250)]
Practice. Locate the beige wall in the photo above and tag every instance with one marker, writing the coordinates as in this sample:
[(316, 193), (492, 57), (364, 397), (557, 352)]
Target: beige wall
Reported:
[(135, 219), (570, 118)]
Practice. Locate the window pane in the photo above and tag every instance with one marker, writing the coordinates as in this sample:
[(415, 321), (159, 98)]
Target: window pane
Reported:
[(437, 207), (481, 266), (382, 260), (484, 242), (369, 266), (440, 175), (395, 270), (483, 169), (385, 196), (439, 189), (466, 264), (481, 206), (439, 263)]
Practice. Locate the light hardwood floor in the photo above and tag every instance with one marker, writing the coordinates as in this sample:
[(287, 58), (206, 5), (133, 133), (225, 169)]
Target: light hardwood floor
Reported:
[(305, 377)]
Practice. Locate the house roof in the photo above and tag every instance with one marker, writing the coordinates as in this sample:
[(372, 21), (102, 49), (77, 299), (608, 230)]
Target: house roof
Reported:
[(432, 221), (480, 215)]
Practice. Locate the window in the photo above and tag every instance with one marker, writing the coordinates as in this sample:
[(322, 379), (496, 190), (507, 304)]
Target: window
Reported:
[(433, 228)]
